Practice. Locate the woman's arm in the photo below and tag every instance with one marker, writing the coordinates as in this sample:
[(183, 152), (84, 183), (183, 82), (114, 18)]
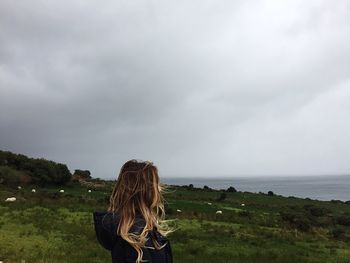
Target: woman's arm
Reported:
[(104, 228), (169, 253)]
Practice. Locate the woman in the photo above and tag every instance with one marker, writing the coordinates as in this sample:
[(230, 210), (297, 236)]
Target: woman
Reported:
[(133, 228)]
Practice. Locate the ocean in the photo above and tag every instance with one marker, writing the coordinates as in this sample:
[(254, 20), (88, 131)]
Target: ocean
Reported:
[(324, 188)]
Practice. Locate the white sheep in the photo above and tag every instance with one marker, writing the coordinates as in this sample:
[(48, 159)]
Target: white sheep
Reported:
[(178, 210), (10, 199), (209, 203), (218, 212), (61, 191), (89, 191), (242, 204), (33, 190)]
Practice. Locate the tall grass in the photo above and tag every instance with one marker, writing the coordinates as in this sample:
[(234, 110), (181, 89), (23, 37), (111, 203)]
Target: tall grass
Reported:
[(48, 226)]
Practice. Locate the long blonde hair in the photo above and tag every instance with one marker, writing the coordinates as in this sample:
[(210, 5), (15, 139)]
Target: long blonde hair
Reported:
[(138, 190)]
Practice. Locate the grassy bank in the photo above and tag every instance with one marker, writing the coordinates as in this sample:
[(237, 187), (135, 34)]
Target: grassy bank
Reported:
[(48, 226)]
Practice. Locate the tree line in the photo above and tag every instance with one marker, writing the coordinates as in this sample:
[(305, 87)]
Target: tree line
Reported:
[(18, 169)]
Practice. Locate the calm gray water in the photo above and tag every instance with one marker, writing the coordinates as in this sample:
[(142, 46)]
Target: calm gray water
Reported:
[(314, 187)]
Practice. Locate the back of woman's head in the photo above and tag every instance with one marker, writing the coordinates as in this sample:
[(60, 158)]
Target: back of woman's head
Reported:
[(138, 192)]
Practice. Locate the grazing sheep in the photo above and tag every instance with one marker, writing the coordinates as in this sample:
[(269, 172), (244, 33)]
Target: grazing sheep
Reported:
[(242, 204), (10, 199), (178, 210), (209, 203), (89, 191), (19, 188), (33, 190), (218, 212), (61, 191)]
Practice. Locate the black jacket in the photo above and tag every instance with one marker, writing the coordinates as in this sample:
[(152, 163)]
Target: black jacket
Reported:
[(105, 227)]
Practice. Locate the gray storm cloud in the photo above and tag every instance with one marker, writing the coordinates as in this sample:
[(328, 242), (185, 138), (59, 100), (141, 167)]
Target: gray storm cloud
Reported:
[(202, 88)]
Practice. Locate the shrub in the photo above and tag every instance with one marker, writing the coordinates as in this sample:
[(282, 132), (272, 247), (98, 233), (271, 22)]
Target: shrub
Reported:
[(245, 214), (231, 189), (9, 176), (222, 197), (337, 233), (96, 180), (302, 224), (296, 220), (83, 174), (343, 220), (270, 193), (39, 171), (336, 201), (316, 210)]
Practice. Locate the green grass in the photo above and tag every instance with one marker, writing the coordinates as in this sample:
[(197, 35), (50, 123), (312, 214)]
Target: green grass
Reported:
[(48, 226)]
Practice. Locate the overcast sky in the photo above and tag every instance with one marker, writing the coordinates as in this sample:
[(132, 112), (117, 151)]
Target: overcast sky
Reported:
[(201, 88)]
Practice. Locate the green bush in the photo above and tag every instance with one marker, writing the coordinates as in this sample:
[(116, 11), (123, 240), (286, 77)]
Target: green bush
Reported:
[(297, 220), (41, 171), (316, 211), (231, 189), (337, 233), (343, 220), (222, 197), (9, 176), (84, 174)]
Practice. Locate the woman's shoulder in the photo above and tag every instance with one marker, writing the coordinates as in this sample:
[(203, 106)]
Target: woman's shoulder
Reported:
[(105, 227), (109, 221), (106, 224)]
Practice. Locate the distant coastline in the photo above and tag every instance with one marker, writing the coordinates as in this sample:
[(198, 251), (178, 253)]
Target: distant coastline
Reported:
[(18, 169), (322, 187)]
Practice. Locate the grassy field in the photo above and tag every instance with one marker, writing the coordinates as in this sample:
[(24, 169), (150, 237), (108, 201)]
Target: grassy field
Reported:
[(48, 226)]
